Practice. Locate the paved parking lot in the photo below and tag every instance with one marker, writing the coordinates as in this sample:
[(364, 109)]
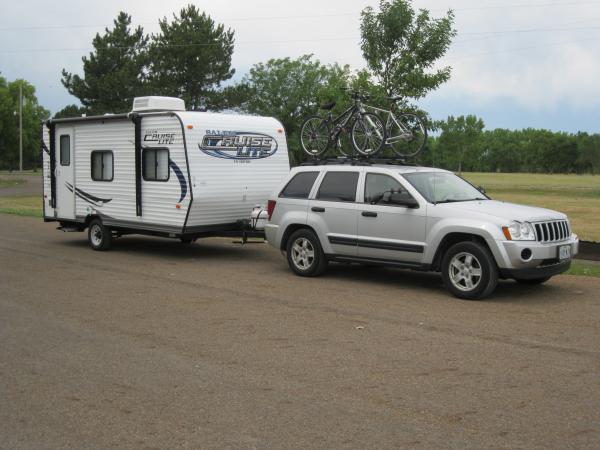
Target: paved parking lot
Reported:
[(160, 345)]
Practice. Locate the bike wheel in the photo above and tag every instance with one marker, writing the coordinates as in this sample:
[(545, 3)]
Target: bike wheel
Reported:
[(343, 144), (368, 134), (314, 136), (406, 134)]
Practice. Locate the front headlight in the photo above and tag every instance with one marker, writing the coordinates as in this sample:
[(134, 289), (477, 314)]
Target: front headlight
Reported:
[(519, 231)]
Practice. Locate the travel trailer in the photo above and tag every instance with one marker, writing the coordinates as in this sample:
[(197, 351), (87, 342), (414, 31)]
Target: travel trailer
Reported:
[(161, 170)]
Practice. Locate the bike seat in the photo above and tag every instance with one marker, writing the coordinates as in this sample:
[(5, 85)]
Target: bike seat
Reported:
[(328, 106)]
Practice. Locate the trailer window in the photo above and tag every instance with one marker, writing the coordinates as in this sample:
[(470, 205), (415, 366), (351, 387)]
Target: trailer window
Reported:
[(102, 165), (155, 164), (338, 187), (65, 150), (300, 185)]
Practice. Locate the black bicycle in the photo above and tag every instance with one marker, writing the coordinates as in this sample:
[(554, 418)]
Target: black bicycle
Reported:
[(367, 132)]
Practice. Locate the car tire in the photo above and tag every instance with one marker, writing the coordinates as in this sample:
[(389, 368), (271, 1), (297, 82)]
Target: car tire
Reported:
[(469, 271), (534, 281), (305, 255), (99, 235)]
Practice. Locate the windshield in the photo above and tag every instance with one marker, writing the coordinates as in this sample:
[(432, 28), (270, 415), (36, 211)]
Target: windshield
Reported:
[(442, 187)]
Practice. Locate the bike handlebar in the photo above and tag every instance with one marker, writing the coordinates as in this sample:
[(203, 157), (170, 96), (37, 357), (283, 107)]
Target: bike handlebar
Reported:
[(357, 95)]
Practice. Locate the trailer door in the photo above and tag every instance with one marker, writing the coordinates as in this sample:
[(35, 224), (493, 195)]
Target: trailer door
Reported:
[(65, 186)]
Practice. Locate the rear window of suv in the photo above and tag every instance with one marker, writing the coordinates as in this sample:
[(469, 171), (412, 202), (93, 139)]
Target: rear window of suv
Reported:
[(338, 187), (300, 185)]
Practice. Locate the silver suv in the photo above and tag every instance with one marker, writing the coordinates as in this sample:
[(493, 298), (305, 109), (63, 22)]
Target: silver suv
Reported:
[(418, 218)]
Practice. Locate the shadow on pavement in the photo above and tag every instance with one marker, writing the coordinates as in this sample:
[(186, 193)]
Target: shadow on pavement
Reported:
[(223, 250)]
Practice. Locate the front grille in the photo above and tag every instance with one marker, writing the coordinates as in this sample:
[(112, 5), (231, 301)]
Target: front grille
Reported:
[(552, 231)]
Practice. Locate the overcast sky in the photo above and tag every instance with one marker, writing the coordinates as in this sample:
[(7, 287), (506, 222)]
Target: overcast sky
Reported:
[(516, 63)]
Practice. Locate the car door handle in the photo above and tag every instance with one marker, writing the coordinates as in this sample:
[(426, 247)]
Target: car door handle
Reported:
[(369, 214), (317, 209)]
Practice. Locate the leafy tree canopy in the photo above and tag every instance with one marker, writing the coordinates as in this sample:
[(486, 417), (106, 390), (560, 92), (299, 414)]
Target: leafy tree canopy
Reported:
[(191, 57), (33, 114), (115, 72), (401, 47), (290, 89)]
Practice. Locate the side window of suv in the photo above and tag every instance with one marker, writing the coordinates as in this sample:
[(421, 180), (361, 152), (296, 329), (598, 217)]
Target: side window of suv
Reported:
[(383, 190), (338, 187), (300, 185)]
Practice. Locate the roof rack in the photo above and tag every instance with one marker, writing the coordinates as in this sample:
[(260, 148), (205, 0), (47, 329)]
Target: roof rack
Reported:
[(345, 160)]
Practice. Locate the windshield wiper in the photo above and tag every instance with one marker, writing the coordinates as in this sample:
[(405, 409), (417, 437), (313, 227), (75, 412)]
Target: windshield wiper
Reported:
[(449, 200), (453, 200)]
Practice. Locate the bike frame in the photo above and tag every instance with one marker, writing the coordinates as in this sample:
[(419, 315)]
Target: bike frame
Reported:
[(390, 117), (342, 120)]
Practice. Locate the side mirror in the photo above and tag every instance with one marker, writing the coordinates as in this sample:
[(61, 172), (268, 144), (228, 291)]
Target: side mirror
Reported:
[(403, 199), (481, 189)]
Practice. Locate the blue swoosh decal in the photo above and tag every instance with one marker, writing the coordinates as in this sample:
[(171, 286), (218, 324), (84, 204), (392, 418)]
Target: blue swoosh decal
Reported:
[(180, 177)]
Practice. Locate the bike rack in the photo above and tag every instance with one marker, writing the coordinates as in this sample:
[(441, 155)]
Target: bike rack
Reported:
[(356, 161)]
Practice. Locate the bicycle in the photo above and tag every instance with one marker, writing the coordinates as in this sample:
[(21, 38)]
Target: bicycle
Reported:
[(406, 133), (367, 132)]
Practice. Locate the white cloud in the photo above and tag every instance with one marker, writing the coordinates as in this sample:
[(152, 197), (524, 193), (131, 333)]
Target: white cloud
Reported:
[(487, 67)]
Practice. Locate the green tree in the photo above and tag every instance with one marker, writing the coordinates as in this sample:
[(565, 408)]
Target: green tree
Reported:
[(290, 89), (70, 111), (33, 114), (588, 146), (459, 144), (401, 46), (115, 72), (191, 57)]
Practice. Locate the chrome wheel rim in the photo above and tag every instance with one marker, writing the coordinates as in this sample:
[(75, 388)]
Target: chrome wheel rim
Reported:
[(96, 235), (465, 272), (303, 253)]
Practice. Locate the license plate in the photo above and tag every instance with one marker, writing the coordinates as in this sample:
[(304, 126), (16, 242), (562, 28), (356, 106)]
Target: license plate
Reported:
[(564, 252)]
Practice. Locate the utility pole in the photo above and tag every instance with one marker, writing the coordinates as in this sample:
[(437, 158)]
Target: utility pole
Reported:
[(20, 127)]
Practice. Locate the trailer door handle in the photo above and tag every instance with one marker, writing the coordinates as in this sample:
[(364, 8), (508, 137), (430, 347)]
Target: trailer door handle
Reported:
[(317, 209), (369, 214)]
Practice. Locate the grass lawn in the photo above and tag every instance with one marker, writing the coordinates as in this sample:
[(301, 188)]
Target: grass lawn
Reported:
[(22, 206), (584, 268), (578, 196), (16, 173)]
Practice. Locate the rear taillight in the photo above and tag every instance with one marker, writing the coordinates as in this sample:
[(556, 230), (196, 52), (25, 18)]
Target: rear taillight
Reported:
[(271, 207)]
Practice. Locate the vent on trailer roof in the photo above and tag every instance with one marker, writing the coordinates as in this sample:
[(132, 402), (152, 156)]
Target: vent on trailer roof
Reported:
[(155, 103)]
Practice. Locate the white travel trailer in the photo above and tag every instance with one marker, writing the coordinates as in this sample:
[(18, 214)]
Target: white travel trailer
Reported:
[(161, 170)]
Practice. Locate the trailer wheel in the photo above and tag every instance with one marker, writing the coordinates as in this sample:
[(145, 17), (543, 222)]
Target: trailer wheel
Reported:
[(99, 235)]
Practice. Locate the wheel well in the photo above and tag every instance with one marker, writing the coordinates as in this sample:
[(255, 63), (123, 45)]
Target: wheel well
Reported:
[(454, 238), (291, 229), (89, 218)]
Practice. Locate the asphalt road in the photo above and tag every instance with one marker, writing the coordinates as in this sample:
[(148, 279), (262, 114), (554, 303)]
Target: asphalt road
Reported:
[(214, 345)]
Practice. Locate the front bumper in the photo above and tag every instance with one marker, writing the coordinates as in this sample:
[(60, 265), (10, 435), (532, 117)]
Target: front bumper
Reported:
[(543, 262), (542, 271)]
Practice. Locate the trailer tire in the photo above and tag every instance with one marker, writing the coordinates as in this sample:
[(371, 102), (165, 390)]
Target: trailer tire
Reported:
[(99, 235)]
